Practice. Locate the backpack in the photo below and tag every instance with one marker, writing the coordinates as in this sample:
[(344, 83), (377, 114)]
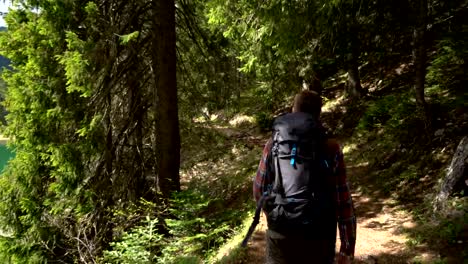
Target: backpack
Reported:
[(301, 196)]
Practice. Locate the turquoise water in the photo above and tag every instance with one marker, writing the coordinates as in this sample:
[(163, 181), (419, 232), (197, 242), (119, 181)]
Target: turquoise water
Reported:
[(5, 155)]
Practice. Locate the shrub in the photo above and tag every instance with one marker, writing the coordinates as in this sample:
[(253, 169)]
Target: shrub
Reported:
[(264, 121), (194, 230), (137, 245), (449, 66)]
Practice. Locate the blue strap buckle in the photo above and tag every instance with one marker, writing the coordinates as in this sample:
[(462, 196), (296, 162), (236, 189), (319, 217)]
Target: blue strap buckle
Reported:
[(293, 155)]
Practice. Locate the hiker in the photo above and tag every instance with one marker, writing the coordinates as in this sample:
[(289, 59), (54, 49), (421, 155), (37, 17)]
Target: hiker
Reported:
[(302, 179)]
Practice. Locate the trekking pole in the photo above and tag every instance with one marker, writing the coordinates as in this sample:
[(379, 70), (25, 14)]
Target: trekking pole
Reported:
[(255, 221)]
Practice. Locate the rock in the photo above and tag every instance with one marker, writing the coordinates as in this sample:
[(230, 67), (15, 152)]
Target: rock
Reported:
[(439, 132), (425, 178), (456, 176)]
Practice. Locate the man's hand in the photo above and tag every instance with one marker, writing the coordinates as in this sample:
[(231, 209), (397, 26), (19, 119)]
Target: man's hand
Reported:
[(343, 259)]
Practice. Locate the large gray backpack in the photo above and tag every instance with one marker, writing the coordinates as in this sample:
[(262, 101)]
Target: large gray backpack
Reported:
[(301, 197)]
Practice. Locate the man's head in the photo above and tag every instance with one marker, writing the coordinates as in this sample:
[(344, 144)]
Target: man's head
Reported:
[(308, 102)]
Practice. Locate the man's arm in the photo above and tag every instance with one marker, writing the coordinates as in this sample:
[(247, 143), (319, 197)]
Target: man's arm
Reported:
[(345, 207), (262, 178)]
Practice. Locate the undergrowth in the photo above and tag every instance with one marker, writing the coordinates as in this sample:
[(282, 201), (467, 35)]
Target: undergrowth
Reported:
[(211, 211), (406, 153)]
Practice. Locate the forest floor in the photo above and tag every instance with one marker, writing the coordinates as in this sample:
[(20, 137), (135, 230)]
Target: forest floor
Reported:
[(387, 231), (393, 166)]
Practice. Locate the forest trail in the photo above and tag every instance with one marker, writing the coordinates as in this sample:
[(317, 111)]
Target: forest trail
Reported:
[(381, 228)]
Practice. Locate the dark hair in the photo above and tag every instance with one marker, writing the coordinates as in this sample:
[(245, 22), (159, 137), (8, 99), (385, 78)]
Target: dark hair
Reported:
[(308, 102)]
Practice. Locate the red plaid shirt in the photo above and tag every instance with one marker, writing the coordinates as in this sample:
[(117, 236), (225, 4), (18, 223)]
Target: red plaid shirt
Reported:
[(344, 202)]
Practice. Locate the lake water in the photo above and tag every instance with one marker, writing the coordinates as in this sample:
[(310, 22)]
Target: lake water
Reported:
[(5, 155)]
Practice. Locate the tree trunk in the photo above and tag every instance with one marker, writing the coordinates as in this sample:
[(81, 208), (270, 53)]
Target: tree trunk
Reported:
[(137, 186), (167, 123), (419, 54), (456, 178), (353, 87), (314, 85), (109, 143)]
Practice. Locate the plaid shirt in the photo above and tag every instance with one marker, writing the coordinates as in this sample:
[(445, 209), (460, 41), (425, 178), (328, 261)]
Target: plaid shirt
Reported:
[(344, 203)]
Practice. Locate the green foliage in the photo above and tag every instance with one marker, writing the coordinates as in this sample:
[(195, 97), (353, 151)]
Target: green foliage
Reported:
[(264, 121), (285, 43), (125, 39), (395, 111), (187, 260), (137, 245), (448, 68), (266, 48), (378, 113), (451, 230), (76, 66), (196, 226), (46, 200), (82, 125), (195, 230), (392, 139), (210, 79), (442, 233)]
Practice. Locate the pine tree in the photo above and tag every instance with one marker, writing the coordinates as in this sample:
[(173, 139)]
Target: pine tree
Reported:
[(89, 135), (46, 103)]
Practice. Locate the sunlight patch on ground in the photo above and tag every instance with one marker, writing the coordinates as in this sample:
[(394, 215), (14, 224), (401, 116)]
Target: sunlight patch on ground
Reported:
[(242, 120), (381, 233), (236, 151), (223, 173), (330, 105), (359, 165), (348, 148)]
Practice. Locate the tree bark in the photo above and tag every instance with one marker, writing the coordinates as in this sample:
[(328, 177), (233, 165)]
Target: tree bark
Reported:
[(137, 184), (314, 85), (419, 54), (167, 120), (456, 177), (354, 89)]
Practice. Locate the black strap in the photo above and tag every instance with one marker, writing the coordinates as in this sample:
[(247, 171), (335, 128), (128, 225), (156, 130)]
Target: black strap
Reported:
[(278, 183), (255, 221)]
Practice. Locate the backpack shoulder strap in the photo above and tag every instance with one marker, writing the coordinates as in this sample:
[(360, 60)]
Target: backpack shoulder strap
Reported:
[(278, 182)]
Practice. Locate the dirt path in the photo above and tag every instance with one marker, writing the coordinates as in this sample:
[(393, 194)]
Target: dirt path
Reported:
[(380, 232)]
